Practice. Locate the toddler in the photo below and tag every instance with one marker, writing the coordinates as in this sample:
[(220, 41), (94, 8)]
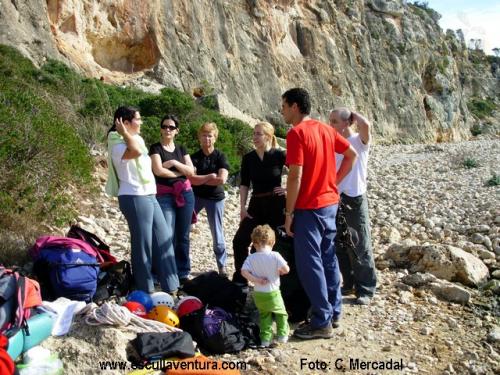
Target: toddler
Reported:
[(263, 269)]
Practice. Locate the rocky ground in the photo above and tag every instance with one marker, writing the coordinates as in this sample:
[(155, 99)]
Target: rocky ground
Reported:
[(435, 226)]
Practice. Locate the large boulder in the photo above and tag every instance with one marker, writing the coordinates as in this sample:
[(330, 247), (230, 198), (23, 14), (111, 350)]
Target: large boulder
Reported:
[(398, 252), (450, 292), (443, 261)]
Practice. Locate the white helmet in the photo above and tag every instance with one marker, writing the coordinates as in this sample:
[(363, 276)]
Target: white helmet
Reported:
[(162, 298)]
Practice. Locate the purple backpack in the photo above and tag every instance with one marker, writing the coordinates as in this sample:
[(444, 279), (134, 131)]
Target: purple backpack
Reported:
[(213, 319)]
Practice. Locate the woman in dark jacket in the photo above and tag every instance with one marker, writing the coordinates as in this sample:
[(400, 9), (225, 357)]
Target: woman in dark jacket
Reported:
[(261, 169), (208, 185)]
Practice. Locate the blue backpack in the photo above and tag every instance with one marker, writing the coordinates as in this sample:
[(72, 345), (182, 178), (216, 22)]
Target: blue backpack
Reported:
[(71, 273)]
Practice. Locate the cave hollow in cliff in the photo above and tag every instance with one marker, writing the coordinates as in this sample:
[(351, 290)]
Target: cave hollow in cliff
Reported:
[(124, 55)]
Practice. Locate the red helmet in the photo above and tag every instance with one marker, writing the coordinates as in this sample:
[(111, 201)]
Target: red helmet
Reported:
[(187, 305), (136, 308)]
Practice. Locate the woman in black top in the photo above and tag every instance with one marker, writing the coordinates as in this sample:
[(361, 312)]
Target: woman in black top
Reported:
[(171, 166), (208, 186), (261, 169)]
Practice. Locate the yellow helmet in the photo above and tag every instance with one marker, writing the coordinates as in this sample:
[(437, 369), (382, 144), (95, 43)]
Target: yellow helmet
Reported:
[(165, 315)]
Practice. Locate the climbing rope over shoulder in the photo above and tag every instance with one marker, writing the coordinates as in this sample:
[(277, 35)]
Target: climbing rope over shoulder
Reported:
[(346, 237), (116, 315)]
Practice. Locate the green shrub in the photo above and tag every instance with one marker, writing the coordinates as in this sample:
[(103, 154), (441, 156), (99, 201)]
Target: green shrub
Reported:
[(40, 153), (422, 8), (209, 102), (169, 101), (494, 180), (475, 130), (280, 130), (421, 4), (470, 163), (481, 107), (493, 59)]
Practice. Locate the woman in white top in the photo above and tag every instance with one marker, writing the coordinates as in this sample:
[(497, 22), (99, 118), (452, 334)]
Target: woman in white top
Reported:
[(131, 179)]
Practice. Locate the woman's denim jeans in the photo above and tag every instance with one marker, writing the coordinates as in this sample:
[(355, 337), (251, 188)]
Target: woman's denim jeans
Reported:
[(149, 242), (178, 228), (215, 216)]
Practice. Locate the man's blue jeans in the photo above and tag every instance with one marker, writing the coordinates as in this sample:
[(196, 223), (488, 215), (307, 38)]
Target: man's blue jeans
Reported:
[(215, 215), (316, 262), (149, 242), (179, 226)]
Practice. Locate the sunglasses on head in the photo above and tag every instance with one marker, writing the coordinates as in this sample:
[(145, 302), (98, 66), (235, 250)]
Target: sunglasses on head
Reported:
[(169, 127)]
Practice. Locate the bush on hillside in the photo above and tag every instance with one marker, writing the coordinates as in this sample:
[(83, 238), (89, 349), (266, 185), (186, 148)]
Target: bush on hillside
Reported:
[(422, 8), (91, 104), (40, 153), (494, 180), (470, 163), (481, 107)]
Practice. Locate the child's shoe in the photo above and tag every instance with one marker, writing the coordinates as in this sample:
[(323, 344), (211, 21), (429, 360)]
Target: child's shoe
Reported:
[(282, 339), (265, 344)]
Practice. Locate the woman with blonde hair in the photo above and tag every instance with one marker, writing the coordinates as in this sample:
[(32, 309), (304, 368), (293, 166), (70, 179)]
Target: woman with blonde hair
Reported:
[(211, 171), (261, 170)]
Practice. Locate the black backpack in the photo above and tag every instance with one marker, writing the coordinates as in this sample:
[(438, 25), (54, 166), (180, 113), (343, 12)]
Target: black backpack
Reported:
[(296, 301), (152, 346), (225, 338), (215, 290), (346, 237), (114, 280)]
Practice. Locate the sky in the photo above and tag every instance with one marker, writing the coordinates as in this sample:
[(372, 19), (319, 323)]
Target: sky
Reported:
[(478, 19)]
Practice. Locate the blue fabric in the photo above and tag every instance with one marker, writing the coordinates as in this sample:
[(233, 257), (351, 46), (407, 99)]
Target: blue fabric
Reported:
[(215, 214), (316, 262), (150, 243), (178, 227)]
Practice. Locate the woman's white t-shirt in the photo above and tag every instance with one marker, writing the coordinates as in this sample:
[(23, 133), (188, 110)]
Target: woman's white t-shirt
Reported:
[(126, 171)]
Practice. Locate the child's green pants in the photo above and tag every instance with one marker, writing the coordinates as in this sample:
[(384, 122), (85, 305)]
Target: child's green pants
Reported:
[(269, 303)]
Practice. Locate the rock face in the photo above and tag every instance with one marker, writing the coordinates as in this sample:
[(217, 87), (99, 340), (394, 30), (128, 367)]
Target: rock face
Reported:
[(387, 59)]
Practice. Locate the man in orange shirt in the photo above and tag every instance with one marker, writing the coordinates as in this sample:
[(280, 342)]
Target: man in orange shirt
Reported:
[(311, 206)]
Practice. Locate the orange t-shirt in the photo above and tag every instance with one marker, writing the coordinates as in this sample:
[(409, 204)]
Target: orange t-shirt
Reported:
[(312, 145)]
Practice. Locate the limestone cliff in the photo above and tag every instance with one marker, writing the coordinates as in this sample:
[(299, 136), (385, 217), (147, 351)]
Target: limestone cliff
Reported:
[(387, 59)]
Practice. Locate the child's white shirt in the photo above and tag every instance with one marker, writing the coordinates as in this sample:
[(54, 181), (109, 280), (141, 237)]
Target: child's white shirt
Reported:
[(265, 264)]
